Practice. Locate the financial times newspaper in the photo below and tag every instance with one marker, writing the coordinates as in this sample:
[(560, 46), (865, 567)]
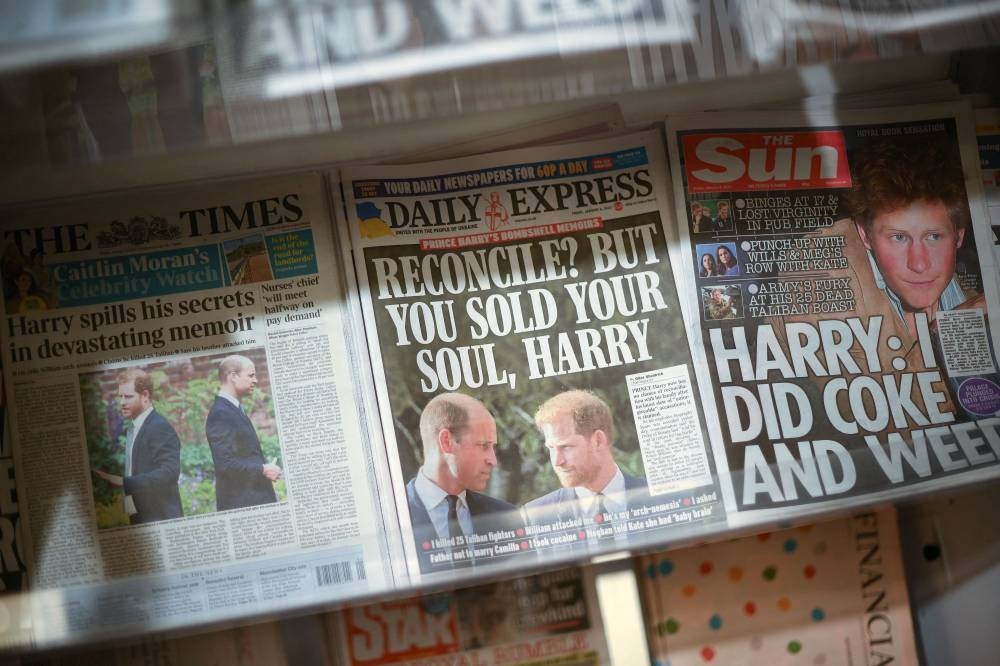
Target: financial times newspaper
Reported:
[(549, 618), (829, 593), (841, 271), (534, 377), (183, 418)]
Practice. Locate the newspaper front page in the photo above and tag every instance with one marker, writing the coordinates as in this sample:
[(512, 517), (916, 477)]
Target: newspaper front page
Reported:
[(183, 419), (829, 593), (534, 376), (841, 269), (988, 142), (549, 618), (15, 620)]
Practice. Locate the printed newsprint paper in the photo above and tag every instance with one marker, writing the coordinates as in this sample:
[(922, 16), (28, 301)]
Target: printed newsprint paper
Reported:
[(841, 270), (534, 378), (184, 426), (988, 142), (15, 621), (832, 593), (549, 618)]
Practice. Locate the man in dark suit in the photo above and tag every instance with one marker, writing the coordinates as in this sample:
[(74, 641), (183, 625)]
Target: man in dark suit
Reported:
[(722, 222), (152, 454), (459, 438), (701, 218), (578, 428), (242, 476)]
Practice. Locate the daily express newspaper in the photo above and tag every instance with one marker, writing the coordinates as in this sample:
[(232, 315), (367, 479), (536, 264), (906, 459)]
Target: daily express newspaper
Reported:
[(534, 379), (183, 420), (830, 593), (841, 270), (549, 618)]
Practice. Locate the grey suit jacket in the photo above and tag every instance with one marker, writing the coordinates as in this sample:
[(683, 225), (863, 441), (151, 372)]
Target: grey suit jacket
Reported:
[(560, 505)]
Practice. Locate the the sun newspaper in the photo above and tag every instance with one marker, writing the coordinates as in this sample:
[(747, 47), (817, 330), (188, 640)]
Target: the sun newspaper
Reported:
[(533, 372), (549, 618), (15, 621), (840, 267), (185, 430)]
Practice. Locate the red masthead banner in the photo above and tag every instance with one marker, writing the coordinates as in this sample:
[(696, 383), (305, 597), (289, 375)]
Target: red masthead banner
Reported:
[(397, 631), (780, 160)]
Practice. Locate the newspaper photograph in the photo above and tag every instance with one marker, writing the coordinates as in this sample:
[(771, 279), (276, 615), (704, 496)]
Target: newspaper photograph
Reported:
[(549, 618), (182, 413), (534, 377), (841, 268)]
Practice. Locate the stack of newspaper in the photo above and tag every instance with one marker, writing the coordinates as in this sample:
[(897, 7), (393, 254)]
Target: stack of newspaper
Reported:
[(246, 397)]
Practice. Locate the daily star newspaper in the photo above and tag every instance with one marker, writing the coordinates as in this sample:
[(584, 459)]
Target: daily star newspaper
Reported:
[(183, 418), (549, 618), (534, 379), (841, 268)]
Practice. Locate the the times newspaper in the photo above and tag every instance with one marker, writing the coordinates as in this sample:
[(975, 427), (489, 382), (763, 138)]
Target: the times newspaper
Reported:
[(829, 593), (534, 377), (840, 268), (182, 412), (549, 618)]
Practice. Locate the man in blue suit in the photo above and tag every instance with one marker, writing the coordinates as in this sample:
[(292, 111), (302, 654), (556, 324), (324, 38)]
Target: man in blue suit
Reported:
[(152, 454), (578, 428), (242, 476), (459, 438)]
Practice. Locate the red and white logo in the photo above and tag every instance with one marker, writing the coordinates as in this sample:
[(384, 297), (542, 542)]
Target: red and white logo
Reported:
[(773, 161)]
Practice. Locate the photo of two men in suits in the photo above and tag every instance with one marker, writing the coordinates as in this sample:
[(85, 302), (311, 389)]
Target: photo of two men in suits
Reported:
[(459, 436), (139, 475)]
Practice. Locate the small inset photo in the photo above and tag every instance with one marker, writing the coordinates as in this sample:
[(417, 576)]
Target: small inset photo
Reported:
[(720, 302), (27, 283), (710, 215), (247, 260), (181, 438), (717, 260)]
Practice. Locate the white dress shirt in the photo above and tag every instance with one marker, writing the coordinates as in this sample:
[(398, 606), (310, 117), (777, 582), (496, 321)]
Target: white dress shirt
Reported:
[(129, 443), (434, 499), (615, 502)]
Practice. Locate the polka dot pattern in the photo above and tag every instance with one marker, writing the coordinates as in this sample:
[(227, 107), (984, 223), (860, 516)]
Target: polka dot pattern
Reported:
[(759, 599)]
